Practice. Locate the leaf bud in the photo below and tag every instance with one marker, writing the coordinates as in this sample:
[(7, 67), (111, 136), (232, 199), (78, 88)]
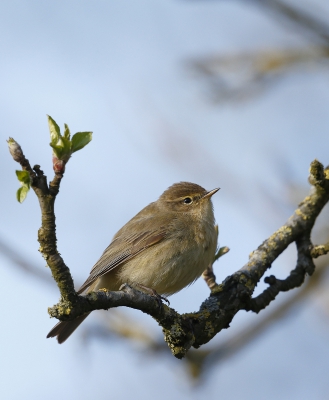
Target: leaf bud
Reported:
[(15, 150), (58, 165)]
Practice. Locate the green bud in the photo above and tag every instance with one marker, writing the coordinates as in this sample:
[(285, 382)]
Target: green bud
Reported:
[(67, 133), (64, 146), (21, 194), (25, 180), (80, 140)]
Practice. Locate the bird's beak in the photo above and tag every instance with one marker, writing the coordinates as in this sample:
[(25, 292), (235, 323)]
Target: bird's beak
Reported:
[(210, 193)]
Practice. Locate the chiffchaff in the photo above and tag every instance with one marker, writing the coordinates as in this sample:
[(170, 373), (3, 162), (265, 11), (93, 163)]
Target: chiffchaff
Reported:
[(165, 247)]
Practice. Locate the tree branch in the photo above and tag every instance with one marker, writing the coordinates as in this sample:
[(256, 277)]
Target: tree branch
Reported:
[(217, 311), (301, 19), (320, 250), (295, 279), (47, 232), (208, 275)]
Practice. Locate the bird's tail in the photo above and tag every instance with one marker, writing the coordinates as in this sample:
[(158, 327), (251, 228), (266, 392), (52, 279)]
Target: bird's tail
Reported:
[(64, 329)]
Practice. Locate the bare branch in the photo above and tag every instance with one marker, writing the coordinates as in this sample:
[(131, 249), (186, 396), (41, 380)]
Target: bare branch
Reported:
[(208, 275), (303, 20), (200, 363), (216, 312), (320, 250), (295, 279), (47, 232)]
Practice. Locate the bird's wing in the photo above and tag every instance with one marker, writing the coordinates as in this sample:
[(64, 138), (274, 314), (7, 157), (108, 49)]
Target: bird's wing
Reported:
[(122, 249)]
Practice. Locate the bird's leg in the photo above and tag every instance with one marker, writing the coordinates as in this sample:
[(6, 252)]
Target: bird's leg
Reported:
[(153, 293)]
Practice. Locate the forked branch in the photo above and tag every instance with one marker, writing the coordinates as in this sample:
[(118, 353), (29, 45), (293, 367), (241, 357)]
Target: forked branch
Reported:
[(181, 332)]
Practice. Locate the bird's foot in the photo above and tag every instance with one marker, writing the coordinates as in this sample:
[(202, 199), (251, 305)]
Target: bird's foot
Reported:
[(154, 293)]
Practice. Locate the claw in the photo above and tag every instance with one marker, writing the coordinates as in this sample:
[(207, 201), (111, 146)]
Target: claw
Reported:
[(160, 298), (153, 293)]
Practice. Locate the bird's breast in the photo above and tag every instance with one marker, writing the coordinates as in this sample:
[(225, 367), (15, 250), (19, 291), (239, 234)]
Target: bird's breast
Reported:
[(175, 262)]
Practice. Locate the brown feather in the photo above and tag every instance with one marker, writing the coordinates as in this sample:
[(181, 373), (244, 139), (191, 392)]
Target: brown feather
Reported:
[(64, 329), (181, 242), (118, 253)]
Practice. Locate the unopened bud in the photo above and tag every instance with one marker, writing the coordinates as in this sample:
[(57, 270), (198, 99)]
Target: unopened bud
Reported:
[(58, 165), (15, 150)]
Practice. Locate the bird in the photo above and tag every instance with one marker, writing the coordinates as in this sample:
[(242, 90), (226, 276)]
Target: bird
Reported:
[(164, 248)]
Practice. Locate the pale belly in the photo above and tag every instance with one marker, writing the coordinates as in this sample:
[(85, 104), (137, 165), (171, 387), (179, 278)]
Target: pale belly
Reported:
[(162, 268)]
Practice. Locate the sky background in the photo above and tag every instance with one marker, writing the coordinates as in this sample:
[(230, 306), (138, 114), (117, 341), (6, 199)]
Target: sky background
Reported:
[(121, 70)]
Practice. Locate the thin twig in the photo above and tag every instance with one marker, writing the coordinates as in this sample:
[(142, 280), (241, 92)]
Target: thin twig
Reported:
[(216, 312)]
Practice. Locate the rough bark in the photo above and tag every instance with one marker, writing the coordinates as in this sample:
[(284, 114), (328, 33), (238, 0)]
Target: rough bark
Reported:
[(183, 331)]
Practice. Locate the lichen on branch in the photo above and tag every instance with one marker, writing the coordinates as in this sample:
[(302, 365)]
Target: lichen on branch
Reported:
[(181, 331)]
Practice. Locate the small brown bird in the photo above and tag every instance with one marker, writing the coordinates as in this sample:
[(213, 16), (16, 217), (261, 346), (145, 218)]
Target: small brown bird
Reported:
[(165, 247)]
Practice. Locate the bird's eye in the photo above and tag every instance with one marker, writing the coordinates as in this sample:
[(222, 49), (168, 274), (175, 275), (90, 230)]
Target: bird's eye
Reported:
[(187, 200)]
